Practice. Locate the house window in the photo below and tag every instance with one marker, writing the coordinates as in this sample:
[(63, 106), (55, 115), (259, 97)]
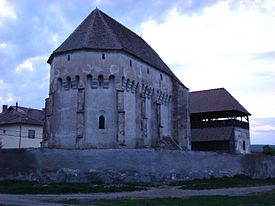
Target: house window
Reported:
[(103, 56), (243, 145), (69, 58), (148, 71), (101, 122), (4, 131), (31, 134), (130, 62), (160, 76)]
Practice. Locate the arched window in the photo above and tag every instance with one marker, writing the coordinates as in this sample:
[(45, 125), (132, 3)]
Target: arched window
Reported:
[(69, 84), (77, 81), (101, 122), (59, 83)]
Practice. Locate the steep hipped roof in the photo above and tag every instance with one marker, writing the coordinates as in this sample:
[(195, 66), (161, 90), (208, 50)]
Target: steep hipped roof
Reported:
[(21, 115), (215, 100), (101, 32)]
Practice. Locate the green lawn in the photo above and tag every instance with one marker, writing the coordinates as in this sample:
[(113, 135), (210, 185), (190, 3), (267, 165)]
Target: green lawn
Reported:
[(25, 187), (264, 199), (226, 182), (28, 187)]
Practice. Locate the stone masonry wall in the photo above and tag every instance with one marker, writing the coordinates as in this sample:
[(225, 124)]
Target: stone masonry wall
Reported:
[(140, 105), (128, 165)]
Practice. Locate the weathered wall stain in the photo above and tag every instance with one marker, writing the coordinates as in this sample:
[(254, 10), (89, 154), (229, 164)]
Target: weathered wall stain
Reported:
[(128, 165)]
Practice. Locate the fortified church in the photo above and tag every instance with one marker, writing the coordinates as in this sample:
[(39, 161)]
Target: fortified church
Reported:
[(110, 89)]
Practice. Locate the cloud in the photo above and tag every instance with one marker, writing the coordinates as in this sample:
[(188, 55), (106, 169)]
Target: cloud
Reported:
[(263, 128), (1, 83), (6, 11), (216, 31), (3, 45), (7, 98), (6, 95), (27, 65), (224, 45), (207, 44)]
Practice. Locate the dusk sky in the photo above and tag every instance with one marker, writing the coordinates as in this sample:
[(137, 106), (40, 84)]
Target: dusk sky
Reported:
[(207, 44)]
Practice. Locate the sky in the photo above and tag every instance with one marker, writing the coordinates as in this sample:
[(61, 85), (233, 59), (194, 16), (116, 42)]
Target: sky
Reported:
[(206, 43)]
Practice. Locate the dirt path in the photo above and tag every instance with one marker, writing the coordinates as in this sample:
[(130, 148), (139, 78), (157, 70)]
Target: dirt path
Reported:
[(39, 200)]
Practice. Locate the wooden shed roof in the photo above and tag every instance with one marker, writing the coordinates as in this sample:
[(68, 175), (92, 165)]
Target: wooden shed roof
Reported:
[(217, 101)]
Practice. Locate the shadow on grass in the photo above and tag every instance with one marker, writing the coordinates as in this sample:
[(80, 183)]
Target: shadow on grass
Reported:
[(266, 199), (28, 187), (225, 182)]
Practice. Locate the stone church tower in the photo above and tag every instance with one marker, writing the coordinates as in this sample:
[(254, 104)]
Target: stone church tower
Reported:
[(110, 89)]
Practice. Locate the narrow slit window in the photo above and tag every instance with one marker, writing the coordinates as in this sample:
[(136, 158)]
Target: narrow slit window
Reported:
[(101, 122), (244, 145), (103, 56), (69, 57), (100, 80), (130, 62)]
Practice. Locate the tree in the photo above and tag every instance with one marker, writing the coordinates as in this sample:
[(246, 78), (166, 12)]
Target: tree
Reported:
[(268, 150)]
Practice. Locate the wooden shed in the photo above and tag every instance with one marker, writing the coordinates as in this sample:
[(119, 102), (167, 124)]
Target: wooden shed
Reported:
[(218, 122)]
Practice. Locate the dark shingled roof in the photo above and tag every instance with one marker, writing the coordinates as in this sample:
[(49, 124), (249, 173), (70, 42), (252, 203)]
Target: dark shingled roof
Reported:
[(214, 100), (211, 134), (101, 32), (22, 115)]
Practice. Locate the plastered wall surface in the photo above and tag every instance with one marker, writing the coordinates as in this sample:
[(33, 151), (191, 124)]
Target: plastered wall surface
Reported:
[(128, 165)]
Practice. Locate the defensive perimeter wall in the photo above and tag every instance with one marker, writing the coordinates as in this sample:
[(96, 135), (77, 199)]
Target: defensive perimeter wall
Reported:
[(128, 165)]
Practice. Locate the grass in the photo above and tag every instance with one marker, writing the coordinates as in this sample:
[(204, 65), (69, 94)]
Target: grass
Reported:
[(226, 182), (264, 199), (28, 187)]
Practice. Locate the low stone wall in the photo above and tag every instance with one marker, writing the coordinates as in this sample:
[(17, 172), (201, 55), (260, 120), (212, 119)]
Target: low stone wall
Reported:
[(128, 165)]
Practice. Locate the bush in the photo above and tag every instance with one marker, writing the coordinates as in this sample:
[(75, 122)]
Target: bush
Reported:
[(268, 150)]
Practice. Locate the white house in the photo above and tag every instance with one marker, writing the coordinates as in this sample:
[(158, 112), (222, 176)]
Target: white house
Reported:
[(20, 127)]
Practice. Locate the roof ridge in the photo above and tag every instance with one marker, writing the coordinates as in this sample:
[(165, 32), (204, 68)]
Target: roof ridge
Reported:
[(205, 90), (99, 31), (90, 27), (109, 28)]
